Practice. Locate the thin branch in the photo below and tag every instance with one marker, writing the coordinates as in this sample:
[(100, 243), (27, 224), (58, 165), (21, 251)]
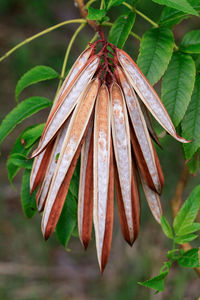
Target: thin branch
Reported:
[(28, 40), (177, 201)]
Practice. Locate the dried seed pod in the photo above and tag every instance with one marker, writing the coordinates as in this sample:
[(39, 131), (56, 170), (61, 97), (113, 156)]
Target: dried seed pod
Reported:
[(65, 165), (78, 65), (51, 166), (85, 196), (67, 102), (140, 138), (127, 193), (103, 177), (147, 94)]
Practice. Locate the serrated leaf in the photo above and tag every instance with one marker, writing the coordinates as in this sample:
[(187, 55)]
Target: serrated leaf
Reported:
[(177, 86), (191, 122), (120, 30), (189, 229), (190, 259), (166, 228), (170, 16), (36, 74), (28, 137), (67, 221), (156, 283), (182, 5), (185, 238), (96, 14), (155, 53), (20, 160), (188, 211), (22, 111), (191, 42), (27, 200)]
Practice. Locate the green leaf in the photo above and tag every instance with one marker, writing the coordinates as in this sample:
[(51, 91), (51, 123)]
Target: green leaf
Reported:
[(188, 211), (121, 28), (191, 42), (185, 238), (190, 259), (36, 74), (156, 283), (182, 5), (28, 137), (31, 136), (96, 14), (67, 221), (170, 16), (27, 200), (191, 122), (166, 228), (189, 229), (22, 111), (21, 161), (177, 86), (112, 3), (155, 53)]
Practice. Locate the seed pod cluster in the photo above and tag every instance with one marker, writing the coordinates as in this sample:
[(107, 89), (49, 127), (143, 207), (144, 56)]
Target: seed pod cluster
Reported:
[(97, 115)]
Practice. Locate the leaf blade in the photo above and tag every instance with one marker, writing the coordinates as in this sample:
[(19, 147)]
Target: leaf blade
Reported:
[(188, 211), (177, 86), (121, 28), (22, 111), (155, 53), (191, 122), (36, 74), (182, 5)]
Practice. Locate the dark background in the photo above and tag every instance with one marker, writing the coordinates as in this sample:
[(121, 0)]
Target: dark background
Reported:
[(32, 269)]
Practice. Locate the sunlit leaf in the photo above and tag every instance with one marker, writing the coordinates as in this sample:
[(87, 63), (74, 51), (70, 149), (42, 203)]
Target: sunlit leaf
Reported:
[(36, 74), (188, 211), (155, 53)]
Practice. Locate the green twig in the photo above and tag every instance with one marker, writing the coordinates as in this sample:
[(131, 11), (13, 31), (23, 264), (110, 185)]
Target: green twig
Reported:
[(28, 40), (68, 52), (88, 4), (94, 38), (131, 33), (102, 4), (141, 14)]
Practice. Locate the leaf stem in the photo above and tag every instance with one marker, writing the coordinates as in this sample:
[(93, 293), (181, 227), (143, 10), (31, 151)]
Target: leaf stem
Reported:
[(68, 52), (88, 4), (141, 14), (131, 33), (28, 40), (102, 4), (94, 38)]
